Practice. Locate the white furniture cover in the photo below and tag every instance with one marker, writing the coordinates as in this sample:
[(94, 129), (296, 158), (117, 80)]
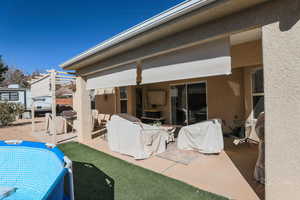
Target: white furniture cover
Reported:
[(134, 138), (60, 124), (205, 137)]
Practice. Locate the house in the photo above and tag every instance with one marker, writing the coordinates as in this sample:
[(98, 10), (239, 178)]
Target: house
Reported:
[(41, 93), (207, 59), (15, 94), (41, 86)]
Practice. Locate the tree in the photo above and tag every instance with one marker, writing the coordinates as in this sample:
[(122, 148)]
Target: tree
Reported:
[(3, 69), (9, 112), (15, 76)]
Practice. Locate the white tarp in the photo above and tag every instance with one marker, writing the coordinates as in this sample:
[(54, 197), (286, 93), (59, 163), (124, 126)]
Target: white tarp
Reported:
[(205, 137), (115, 77), (208, 59), (135, 138)]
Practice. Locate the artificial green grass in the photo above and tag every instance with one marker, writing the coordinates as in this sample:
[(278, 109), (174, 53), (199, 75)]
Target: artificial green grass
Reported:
[(99, 176)]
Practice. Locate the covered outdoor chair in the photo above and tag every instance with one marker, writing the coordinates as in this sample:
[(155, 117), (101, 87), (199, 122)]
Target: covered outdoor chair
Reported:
[(59, 124), (205, 137), (127, 135)]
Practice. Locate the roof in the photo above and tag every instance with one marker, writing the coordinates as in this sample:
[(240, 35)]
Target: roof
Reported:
[(12, 89), (176, 11), (39, 78), (163, 19)]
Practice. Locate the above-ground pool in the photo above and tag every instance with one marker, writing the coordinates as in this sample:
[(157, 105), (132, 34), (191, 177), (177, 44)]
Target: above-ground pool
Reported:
[(37, 171)]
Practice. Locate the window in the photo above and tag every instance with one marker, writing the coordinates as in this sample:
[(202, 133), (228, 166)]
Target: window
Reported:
[(258, 92), (14, 96), (123, 99), (4, 96), (9, 96)]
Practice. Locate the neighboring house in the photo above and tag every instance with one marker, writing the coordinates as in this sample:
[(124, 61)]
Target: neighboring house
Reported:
[(207, 59), (64, 95), (41, 93), (14, 94)]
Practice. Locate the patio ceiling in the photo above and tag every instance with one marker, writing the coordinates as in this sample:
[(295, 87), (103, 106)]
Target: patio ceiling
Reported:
[(246, 36)]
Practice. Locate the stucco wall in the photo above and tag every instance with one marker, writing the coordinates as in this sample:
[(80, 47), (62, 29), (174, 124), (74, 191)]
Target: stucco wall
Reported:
[(246, 54), (281, 53), (105, 103)]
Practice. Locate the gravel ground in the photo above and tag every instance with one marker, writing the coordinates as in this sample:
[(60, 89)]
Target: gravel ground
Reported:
[(20, 130)]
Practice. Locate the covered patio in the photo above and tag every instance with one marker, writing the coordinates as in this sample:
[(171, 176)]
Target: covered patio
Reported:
[(229, 87), (221, 78)]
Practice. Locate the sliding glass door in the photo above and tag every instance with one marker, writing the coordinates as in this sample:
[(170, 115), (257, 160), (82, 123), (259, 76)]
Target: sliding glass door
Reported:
[(188, 103)]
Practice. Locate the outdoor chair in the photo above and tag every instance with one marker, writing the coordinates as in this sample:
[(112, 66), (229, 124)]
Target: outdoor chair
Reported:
[(94, 116), (103, 119), (59, 124)]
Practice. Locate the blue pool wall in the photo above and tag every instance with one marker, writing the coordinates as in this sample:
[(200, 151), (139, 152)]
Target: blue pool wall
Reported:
[(57, 191)]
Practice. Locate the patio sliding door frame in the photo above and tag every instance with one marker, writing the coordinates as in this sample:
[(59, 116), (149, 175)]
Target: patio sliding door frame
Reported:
[(253, 70), (187, 83)]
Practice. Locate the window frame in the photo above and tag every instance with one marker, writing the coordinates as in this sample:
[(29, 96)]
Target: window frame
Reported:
[(9, 95), (255, 94), (123, 99), (17, 96), (1, 95)]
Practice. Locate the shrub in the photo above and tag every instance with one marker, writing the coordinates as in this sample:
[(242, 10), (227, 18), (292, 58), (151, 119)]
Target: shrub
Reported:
[(9, 112)]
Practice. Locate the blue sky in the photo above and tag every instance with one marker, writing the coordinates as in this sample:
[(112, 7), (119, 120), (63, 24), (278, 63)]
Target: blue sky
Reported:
[(37, 34)]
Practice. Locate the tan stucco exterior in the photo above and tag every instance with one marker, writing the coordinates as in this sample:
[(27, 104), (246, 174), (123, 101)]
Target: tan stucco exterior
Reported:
[(281, 55), (105, 103), (247, 54)]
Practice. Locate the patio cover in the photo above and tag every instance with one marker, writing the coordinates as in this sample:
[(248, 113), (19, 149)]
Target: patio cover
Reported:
[(115, 77), (205, 137), (207, 59)]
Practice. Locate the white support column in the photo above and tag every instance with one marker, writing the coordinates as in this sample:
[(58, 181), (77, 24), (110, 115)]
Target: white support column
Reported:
[(53, 95), (32, 117), (84, 110), (281, 55)]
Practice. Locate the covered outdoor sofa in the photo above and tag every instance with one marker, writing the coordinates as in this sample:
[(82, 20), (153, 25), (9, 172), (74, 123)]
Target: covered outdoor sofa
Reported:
[(127, 135)]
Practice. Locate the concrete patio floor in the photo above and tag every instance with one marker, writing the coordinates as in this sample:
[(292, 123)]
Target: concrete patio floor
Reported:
[(22, 130), (218, 174)]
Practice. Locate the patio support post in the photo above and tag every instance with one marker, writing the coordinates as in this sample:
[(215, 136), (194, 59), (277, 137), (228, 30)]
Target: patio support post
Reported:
[(53, 96), (281, 56), (84, 110), (32, 117)]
